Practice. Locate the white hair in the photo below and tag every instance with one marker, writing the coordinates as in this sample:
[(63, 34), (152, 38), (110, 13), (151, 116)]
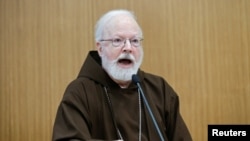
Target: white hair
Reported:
[(100, 25), (119, 73)]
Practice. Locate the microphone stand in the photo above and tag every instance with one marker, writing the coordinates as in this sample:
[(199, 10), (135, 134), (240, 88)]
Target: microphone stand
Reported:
[(137, 82)]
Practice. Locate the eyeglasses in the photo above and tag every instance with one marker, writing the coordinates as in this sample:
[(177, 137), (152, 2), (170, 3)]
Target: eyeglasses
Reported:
[(118, 42)]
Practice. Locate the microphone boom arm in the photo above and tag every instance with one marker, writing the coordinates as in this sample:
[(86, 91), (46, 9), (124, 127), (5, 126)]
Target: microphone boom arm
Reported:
[(136, 81)]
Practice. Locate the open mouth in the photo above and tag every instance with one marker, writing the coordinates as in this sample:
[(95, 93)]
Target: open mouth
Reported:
[(125, 61)]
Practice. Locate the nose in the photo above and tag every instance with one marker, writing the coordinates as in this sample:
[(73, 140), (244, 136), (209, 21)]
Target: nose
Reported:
[(127, 46)]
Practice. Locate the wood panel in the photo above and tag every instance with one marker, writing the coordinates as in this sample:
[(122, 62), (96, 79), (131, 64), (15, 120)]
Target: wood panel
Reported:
[(200, 47)]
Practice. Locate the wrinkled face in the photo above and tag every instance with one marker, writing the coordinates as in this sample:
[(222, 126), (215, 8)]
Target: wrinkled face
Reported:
[(123, 61)]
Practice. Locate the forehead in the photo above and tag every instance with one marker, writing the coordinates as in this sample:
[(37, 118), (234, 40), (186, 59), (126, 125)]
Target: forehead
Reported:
[(122, 26)]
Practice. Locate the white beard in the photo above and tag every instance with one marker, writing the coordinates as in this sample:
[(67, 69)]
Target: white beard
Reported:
[(119, 73)]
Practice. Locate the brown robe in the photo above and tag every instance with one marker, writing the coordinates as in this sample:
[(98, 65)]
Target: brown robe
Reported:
[(94, 107)]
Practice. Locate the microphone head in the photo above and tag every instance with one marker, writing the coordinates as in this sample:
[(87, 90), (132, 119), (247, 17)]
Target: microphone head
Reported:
[(135, 79)]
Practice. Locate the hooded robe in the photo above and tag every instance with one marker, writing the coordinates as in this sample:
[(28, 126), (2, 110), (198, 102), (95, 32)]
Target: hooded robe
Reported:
[(94, 107)]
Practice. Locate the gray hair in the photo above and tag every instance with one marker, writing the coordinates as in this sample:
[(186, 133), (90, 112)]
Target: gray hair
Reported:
[(100, 26)]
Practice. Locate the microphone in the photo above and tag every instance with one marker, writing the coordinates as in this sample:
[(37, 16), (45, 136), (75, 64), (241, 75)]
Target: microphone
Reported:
[(136, 80)]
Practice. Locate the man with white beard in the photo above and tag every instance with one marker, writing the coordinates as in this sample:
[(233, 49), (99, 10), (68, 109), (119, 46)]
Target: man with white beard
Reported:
[(102, 103)]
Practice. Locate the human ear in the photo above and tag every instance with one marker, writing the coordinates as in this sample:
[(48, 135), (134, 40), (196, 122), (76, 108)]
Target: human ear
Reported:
[(99, 48)]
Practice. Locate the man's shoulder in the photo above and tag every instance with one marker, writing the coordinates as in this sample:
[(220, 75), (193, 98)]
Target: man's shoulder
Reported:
[(151, 77)]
